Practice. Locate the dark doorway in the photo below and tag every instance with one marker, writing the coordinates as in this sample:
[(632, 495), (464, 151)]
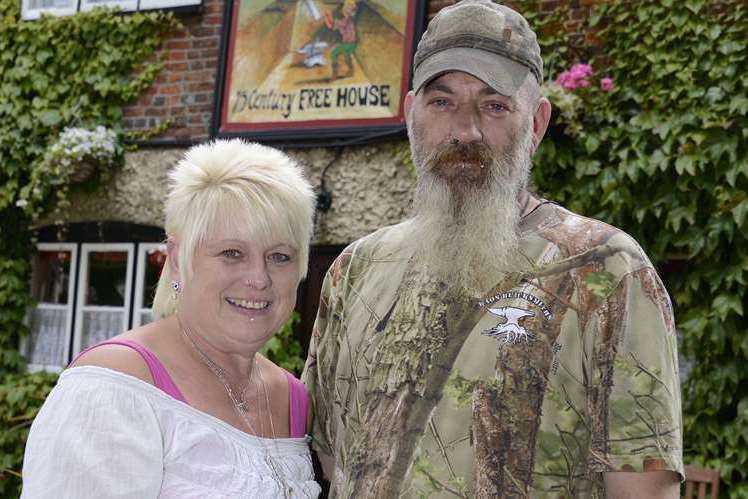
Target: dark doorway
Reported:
[(307, 301)]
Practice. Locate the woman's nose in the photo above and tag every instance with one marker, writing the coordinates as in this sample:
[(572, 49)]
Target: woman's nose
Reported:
[(257, 276)]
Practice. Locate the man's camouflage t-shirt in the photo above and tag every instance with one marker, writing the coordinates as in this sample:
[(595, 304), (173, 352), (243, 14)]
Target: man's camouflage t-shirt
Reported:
[(561, 373)]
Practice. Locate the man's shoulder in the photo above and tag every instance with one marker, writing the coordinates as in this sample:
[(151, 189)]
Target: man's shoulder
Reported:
[(583, 237)]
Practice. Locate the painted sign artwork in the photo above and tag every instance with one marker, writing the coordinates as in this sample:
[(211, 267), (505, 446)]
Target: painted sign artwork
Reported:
[(316, 63)]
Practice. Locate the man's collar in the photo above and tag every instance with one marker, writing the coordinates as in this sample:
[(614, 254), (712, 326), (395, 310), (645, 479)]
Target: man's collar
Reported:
[(527, 202)]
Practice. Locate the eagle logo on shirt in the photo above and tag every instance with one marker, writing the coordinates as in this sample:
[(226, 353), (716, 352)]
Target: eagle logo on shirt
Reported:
[(510, 330)]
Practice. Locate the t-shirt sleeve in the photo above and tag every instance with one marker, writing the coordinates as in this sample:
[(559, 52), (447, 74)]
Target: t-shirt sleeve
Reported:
[(321, 370), (634, 404), (314, 378), (93, 439)]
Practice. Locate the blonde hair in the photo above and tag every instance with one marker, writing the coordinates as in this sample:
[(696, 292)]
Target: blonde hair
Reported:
[(252, 190)]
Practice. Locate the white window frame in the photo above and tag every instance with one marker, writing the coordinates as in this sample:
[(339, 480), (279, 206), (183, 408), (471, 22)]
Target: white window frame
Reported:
[(31, 14), (73, 249), (166, 4), (138, 308), (124, 5), (86, 249)]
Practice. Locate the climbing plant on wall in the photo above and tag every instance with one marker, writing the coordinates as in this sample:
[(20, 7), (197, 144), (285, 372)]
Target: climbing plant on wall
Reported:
[(661, 150), (55, 72)]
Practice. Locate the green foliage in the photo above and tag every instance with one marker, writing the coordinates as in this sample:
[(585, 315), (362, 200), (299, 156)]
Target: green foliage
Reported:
[(284, 349), (21, 395), (55, 72), (664, 156)]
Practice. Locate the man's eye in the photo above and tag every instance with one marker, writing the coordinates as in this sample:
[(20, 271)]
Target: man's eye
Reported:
[(496, 107), (439, 102), (231, 253)]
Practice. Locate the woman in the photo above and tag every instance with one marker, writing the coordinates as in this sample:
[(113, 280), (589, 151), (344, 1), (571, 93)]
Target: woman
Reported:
[(185, 407)]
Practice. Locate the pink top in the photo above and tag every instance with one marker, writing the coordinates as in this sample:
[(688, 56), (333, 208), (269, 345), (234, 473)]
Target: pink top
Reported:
[(297, 396)]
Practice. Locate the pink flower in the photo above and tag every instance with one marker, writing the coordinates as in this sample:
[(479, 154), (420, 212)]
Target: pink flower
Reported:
[(566, 81), (581, 71), (607, 84), (578, 76)]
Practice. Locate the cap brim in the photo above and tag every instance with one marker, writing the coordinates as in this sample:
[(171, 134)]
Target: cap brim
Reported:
[(502, 74)]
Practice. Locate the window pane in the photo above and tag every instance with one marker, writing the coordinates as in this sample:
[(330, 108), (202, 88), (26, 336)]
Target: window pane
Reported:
[(100, 325), (146, 317), (154, 261), (47, 4), (51, 277), (107, 271), (46, 342)]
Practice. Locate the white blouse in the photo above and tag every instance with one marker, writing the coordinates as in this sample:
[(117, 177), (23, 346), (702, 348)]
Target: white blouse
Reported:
[(104, 434)]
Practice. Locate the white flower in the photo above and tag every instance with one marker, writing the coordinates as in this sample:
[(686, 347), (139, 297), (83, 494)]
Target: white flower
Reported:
[(21, 203), (75, 144)]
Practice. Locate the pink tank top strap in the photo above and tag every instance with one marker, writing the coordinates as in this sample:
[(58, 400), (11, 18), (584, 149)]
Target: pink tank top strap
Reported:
[(297, 406), (161, 378)]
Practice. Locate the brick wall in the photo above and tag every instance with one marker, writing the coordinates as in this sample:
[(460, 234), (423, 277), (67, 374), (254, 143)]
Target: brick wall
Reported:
[(185, 89)]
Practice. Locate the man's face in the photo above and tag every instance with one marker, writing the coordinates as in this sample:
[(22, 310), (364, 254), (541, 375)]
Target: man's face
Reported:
[(457, 124), (472, 148)]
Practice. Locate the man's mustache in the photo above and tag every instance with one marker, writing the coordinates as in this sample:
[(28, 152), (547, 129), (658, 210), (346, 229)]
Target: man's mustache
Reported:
[(455, 152)]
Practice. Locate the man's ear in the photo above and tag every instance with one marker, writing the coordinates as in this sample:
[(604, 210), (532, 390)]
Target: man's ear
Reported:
[(408, 105), (172, 252), (540, 119)]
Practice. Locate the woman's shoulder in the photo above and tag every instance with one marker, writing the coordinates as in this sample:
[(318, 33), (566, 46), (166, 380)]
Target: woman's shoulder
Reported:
[(103, 392), (125, 353), (275, 375), (116, 357)]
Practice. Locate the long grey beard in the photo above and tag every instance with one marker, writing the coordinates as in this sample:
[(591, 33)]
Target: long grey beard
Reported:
[(469, 239)]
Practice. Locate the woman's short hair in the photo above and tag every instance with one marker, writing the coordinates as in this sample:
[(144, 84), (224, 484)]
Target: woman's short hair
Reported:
[(254, 191)]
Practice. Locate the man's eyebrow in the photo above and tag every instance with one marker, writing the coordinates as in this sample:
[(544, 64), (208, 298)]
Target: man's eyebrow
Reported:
[(507, 99), (435, 86), (488, 91)]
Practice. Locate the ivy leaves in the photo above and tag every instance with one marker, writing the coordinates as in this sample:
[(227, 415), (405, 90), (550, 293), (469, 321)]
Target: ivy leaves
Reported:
[(20, 399), (664, 155), (55, 72)]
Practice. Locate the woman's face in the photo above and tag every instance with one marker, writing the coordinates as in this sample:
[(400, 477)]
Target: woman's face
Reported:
[(241, 291)]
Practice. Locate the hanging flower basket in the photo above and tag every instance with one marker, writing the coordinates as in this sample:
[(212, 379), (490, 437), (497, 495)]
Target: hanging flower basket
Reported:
[(76, 155), (78, 152), (82, 171)]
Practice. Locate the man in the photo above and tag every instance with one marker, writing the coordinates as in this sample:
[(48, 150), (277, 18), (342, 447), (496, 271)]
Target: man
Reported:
[(495, 344), (346, 26)]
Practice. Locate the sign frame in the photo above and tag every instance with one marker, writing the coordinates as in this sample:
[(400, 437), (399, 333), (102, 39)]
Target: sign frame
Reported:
[(381, 117)]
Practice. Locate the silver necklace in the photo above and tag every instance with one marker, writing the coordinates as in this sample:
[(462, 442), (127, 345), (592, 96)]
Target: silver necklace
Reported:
[(240, 405), (239, 401)]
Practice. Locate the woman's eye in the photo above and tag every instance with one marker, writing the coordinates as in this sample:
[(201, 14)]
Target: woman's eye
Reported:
[(231, 253), (279, 257)]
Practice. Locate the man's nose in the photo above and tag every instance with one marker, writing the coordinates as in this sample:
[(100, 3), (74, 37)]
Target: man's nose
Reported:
[(466, 126)]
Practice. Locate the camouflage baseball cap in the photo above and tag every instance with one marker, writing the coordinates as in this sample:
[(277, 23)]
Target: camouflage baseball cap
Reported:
[(489, 41)]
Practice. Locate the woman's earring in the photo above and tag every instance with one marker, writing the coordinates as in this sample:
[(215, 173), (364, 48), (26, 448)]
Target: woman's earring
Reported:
[(177, 287)]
